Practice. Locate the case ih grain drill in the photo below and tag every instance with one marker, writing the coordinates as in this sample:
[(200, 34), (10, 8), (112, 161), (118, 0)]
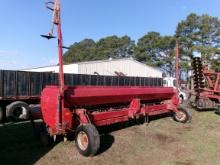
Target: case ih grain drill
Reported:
[(81, 109)]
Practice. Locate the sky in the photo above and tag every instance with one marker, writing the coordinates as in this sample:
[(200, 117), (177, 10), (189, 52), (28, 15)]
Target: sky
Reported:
[(22, 23)]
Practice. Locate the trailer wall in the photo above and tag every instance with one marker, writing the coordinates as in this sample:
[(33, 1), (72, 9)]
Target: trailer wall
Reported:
[(20, 84)]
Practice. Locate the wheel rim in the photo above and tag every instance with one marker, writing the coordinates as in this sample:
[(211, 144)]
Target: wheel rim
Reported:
[(82, 140), (181, 116)]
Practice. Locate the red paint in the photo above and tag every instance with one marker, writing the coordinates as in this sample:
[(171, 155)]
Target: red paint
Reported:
[(134, 108), (213, 80), (77, 98), (60, 50), (51, 113), (81, 96)]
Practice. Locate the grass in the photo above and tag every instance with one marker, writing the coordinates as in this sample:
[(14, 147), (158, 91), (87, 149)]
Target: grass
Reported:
[(18, 145), (163, 142)]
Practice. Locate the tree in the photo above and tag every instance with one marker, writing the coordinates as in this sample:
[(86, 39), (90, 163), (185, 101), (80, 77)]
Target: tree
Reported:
[(156, 50), (115, 47), (200, 33), (80, 51), (112, 46)]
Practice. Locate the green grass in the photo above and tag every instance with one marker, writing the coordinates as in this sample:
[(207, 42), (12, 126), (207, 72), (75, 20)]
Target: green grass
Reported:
[(163, 142), (18, 144)]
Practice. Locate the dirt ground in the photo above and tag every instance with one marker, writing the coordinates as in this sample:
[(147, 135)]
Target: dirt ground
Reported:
[(161, 142)]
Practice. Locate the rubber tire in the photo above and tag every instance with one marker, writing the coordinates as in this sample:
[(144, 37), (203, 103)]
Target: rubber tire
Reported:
[(187, 113), (93, 139), (11, 107), (2, 115)]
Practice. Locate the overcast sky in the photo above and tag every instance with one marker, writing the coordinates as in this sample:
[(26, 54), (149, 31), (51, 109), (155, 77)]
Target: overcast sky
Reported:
[(22, 22)]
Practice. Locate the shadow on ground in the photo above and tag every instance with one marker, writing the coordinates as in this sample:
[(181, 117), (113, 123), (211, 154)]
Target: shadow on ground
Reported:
[(106, 130), (106, 139), (18, 145)]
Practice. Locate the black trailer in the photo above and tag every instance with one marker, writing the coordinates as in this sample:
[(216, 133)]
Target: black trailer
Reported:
[(19, 89)]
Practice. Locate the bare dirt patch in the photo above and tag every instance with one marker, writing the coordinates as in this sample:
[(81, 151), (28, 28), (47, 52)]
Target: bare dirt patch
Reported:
[(161, 138)]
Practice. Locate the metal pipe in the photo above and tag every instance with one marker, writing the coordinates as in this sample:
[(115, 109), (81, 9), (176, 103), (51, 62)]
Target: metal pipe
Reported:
[(177, 65), (57, 21)]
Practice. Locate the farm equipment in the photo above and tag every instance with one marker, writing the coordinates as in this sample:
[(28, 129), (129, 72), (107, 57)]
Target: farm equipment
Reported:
[(206, 85), (81, 109)]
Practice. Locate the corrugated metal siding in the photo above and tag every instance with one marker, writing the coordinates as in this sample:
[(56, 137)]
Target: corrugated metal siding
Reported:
[(71, 68), (128, 67)]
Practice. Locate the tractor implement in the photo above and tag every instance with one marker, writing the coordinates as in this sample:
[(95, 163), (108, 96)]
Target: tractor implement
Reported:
[(88, 107), (206, 86), (81, 109)]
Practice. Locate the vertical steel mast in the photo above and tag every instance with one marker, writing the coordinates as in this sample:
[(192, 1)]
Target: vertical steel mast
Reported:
[(55, 7), (60, 45), (177, 64), (57, 21)]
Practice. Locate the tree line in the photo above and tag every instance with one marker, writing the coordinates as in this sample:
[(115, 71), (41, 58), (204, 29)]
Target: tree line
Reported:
[(196, 33)]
